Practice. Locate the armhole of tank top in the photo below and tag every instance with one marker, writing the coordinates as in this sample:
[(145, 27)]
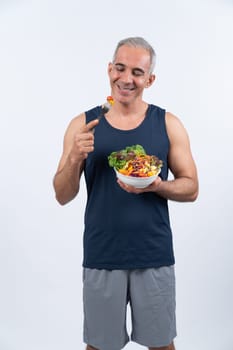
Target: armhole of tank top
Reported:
[(165, 126), (161, 113)]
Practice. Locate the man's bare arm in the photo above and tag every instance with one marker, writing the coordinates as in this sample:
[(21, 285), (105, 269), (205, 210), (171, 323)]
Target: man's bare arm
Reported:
[(184, 186), (78, 142)]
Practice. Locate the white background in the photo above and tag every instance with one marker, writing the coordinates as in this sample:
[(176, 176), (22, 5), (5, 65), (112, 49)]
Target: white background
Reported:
[(53, 61)]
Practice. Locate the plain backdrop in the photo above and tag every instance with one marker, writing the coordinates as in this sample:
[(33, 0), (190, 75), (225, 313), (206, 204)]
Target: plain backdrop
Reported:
[(53, 64)]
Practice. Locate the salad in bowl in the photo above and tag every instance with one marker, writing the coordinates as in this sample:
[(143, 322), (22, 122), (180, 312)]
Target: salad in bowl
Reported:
[(134, 167)]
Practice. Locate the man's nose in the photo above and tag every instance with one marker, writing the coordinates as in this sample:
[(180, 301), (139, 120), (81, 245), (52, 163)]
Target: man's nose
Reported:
[(126, 77)]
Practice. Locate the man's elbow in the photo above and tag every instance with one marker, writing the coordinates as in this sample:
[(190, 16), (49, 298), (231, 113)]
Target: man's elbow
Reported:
[(64, 194), (63, 198), (62, 201), (193, 196)]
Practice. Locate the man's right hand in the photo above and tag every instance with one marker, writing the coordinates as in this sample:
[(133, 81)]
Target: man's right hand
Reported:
[(83, 142)]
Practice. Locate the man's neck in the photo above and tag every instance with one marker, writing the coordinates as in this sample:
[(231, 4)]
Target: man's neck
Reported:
[(127, 117), (130, 109)]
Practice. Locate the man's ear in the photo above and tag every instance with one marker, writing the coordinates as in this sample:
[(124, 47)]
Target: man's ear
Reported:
[(110, 66), (151, 79)]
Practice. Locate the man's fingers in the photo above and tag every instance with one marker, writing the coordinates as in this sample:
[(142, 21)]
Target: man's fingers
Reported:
[(90, 126), (84, 137), (84, 140)]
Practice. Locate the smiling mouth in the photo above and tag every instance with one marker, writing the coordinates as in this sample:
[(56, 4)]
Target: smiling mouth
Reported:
[(125, 88)]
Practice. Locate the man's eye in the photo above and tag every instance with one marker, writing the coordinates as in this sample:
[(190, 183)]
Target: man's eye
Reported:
[(137, 73), (119, 68)]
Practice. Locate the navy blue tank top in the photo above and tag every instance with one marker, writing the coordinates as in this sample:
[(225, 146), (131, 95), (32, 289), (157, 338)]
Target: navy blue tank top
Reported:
[(125, 230)]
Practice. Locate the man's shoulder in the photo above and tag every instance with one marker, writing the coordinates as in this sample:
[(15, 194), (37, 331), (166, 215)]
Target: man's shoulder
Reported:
[(93, 110), (81, 118), (156, 107)]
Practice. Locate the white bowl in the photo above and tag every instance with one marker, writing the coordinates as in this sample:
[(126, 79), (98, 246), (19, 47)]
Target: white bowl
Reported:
[(138, 182)]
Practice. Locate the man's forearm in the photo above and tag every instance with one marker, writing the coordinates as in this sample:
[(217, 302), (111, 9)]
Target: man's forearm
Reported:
[(180, 190), (66, 181)]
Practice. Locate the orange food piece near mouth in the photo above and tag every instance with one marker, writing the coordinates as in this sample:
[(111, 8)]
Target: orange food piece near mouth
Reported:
[(110, 100)]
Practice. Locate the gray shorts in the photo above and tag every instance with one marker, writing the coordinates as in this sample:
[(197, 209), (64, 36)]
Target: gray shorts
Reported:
[(151, 296)]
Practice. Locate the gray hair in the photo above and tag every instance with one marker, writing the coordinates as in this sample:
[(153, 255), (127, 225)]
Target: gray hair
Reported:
[(138, 42)]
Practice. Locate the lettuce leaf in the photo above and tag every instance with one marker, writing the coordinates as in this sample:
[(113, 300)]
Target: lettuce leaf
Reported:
[(119, 159)]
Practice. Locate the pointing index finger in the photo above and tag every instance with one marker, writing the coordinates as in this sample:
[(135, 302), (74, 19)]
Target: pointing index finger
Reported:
[(91, 125)]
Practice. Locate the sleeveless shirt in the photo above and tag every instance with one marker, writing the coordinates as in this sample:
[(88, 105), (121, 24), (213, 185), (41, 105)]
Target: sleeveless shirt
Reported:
[(124, 230)]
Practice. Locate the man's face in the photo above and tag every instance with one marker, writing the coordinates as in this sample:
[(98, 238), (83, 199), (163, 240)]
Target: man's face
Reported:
[(130, 73)]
